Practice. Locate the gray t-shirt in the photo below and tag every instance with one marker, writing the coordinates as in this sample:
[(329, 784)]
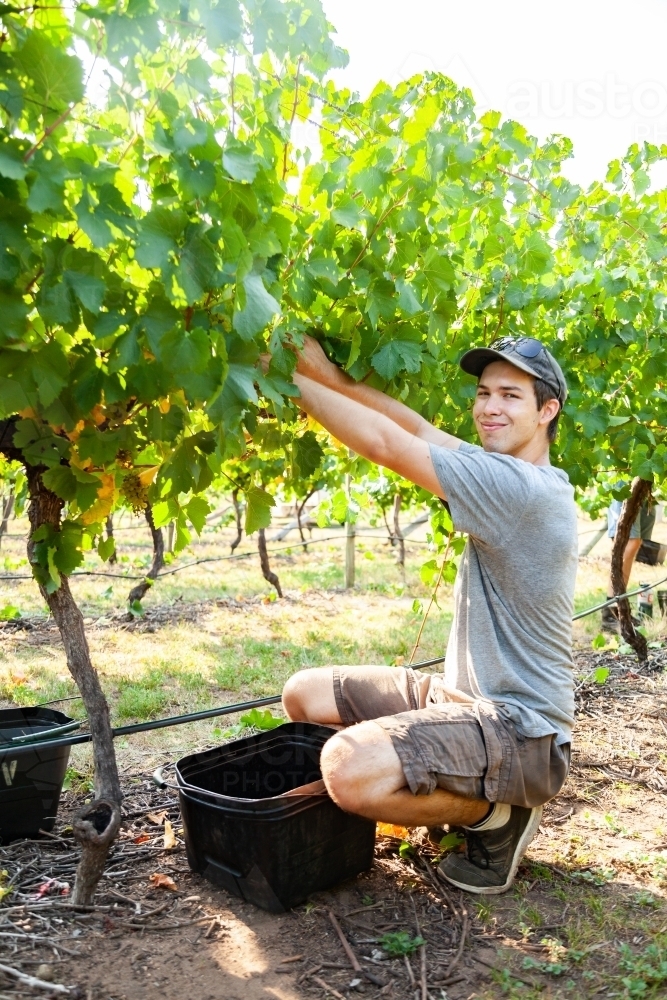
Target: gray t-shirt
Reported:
[(511, 639)]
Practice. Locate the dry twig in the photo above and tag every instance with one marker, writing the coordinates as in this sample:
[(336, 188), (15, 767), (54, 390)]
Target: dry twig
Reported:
[(457, 957), (329, 989), (33, 983), (354, 961)]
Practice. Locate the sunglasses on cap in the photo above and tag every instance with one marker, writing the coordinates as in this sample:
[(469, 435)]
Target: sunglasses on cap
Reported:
[(527, 347)]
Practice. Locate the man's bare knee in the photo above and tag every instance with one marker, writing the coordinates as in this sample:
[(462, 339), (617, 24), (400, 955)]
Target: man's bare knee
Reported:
[(292, 698), (359, 764), (339, 770), (308, 696)]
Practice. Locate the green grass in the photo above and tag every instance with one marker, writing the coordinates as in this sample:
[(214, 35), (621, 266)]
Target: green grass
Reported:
[(248, 653), (609, 945), (138, 702), (228, 654), (31, 683)]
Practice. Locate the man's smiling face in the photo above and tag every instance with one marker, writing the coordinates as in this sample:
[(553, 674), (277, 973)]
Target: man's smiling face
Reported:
[(505, 410)]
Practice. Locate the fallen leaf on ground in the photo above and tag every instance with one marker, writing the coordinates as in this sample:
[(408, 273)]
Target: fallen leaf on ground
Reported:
[(158, 818), (159, 881), (5, 890), (169, 836), (141, 839), (52, 887), (391, 830)]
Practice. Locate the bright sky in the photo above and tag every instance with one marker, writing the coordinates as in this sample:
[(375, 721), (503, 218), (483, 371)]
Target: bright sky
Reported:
[(594, 70)]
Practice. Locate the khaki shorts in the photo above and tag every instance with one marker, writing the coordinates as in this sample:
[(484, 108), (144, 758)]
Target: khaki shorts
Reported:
[(445, 739)]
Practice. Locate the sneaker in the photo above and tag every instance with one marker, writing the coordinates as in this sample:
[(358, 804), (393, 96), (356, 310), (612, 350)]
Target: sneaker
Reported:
[(492, 857), (609, 620)]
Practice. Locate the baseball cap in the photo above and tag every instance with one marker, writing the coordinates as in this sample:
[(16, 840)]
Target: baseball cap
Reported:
[(526, 353)]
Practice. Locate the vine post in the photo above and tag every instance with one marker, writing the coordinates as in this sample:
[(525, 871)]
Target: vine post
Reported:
[(398, 535), (350, 534), (7, 510)]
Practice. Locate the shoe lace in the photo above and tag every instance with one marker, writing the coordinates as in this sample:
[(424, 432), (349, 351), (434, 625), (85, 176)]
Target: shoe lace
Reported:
[(476, 851)]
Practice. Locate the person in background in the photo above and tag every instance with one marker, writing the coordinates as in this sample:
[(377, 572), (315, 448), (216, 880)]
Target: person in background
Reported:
[(641, 530)]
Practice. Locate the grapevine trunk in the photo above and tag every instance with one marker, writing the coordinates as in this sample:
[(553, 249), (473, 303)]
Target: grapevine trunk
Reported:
[(641, 489), (267, 572), (137, 593), (95, 839)]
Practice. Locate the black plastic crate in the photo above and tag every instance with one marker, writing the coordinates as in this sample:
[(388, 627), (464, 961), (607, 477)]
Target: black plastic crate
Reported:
[(30, 779), (651, 553), (243, 832)]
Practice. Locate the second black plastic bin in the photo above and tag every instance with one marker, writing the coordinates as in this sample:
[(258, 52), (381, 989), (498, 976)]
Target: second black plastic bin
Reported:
[(31, 779), (252, 839)]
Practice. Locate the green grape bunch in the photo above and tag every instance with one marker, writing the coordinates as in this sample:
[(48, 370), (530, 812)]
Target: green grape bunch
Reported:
[(134, 492)]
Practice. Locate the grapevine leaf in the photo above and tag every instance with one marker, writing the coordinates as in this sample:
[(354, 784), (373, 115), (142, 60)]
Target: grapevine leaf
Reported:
[(62, 481), (158, 235), (536, 254), (241, 382), (347, 213), (56, 76), (260, 308), (88, 289), (197, 510), (397, 356), (307, 455), (11, 162), (258, 509), (106, 548), (240, 163), (164, 511), (438, 271)]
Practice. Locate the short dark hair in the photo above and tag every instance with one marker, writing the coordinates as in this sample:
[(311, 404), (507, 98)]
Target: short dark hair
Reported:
[(543, 393)]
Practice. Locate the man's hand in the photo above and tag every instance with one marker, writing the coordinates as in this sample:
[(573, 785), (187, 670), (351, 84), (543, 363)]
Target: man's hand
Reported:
[(314, 364)]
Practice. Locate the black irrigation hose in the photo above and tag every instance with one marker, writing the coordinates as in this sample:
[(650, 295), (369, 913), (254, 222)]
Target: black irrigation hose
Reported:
[(614, 600), (177, 720)]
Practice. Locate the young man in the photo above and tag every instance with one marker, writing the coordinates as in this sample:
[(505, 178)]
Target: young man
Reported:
[(484, 745)]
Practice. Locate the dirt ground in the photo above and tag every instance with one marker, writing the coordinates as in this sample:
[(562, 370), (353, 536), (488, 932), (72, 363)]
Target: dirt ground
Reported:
[(587, 916)]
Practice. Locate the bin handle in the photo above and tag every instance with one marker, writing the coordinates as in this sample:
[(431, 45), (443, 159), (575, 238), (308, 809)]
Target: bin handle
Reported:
[(42, 735), (161, 782)]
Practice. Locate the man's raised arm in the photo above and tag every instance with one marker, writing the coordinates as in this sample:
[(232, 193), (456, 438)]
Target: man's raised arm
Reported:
[(371, 433), (314, 364)]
